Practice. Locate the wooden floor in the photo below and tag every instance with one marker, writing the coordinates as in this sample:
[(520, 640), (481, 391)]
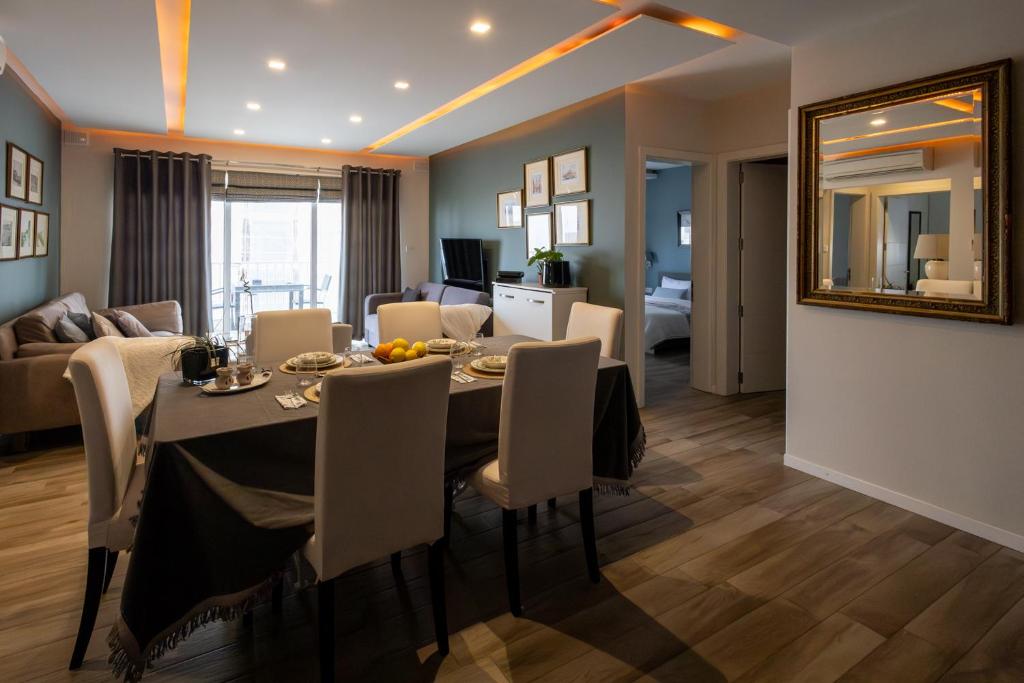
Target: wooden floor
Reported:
[(722, 565)]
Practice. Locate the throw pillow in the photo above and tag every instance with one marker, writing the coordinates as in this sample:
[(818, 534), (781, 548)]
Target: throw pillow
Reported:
[(104, 327), (666, 293), (410, 294), (68, 332), (84, 323), (129, 324)]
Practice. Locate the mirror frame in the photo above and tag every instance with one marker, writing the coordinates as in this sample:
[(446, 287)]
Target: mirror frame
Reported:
[(995, 305)]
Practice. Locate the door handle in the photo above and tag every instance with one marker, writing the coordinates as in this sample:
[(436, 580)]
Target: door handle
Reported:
[(535, 301), (507, 296)]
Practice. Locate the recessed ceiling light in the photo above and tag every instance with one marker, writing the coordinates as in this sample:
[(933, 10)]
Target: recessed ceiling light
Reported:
[(878, 122), (253, 106), (325, 141), (480, 27), (355, 118), (276, 64), (401, 85), (239, 131)]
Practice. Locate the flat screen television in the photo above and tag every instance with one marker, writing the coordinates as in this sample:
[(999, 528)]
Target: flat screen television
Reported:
[(463, 263)]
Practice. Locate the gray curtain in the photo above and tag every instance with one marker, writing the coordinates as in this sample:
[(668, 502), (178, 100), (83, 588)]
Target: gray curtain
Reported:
[(161, 237), (370, 256)]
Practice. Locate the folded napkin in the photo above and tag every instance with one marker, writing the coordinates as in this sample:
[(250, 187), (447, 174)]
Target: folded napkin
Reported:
[(361, 358), (290, 401)]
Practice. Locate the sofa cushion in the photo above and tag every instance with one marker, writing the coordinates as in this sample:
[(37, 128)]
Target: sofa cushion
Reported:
[(37, 325), (129, 324), (68, 332), (104, 327), (47, 349), (431, 291), (84, 323), (457, 295), (410, 294)]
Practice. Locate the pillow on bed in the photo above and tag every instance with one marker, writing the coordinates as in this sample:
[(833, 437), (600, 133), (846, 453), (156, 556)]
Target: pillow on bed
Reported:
[(668, 293), (672, 283)]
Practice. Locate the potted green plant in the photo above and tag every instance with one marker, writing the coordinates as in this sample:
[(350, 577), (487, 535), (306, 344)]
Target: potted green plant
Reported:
[(552, 268), (199, 357)]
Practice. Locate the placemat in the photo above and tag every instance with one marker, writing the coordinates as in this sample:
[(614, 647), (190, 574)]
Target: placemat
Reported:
[(311, 394), (470, 370)]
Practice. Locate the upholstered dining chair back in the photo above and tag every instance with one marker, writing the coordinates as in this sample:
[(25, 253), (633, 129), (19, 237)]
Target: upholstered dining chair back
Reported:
[(108, 430), (413, 321), (546, 430), (603, 322), (279, 335), (379, 473)]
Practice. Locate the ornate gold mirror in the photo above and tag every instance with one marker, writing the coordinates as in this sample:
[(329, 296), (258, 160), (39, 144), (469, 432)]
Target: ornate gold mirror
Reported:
[(904, 198)]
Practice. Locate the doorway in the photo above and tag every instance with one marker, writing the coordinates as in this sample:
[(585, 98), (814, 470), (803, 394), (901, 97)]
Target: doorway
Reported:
[(762, 275)]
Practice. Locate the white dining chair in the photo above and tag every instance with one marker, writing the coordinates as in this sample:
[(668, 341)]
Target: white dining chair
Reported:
[(359, 449), (114, 480), (412, 320), (603, 322), (279, 335), (545, 441)]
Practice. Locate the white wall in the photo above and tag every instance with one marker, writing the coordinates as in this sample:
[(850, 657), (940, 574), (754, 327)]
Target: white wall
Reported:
[(710, 133), (87, 190), (923, 413)]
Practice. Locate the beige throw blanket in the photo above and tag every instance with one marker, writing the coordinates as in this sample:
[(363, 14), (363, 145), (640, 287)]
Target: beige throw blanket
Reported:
[(463, 321), (145, 359)]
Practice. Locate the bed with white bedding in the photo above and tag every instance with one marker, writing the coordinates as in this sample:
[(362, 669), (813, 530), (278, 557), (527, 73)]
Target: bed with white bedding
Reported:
[(667, 311)]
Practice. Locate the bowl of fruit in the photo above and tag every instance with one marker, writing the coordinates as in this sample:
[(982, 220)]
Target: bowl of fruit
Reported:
[(399, 350)]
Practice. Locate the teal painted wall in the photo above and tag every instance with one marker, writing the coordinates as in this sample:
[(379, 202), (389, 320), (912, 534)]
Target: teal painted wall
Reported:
[(30, 281), (464, 182), (667, 195)]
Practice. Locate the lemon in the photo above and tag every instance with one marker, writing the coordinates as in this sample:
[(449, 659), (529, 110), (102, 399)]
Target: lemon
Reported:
[(421, 349), (397, 355), (400, 343)]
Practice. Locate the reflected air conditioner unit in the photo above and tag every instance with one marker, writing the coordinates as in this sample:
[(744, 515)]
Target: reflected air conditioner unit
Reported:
[(907, 161)]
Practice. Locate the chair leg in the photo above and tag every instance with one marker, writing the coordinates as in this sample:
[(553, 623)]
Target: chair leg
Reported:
[(449, 494), (109, 574), (508, 533), (589, 536), (531, 514), (325, 598), (396, 562), (552, 503), (91, 605), (435, 558)]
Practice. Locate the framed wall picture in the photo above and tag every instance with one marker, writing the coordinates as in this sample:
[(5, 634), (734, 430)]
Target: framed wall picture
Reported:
[(570, 172), (510, 209), (572, 224), (538, 232), (8, 233), (17, 172), (35, 181), (42, 242), (536, 180), (685, 234), (26, 232)]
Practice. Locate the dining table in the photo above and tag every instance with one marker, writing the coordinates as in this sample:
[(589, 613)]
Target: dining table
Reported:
[(228, 497)]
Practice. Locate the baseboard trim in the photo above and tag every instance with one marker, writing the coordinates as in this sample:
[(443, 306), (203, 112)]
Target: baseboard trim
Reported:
[(921, 507)]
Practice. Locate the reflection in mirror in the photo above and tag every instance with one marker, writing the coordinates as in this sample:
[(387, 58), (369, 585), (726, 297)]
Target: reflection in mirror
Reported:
[(900, 200)]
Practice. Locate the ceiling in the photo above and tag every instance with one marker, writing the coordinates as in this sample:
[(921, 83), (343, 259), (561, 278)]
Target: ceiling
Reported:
[(101, 62)]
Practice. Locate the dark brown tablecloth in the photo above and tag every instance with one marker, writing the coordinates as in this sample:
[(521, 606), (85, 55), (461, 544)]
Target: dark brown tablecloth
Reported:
[(228, 496)]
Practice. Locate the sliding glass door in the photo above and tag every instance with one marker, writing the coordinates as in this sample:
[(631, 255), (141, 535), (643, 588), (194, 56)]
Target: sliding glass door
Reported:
[(272, 256)]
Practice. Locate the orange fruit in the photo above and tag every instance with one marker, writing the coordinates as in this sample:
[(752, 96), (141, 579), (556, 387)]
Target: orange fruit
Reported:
[(383, 350)]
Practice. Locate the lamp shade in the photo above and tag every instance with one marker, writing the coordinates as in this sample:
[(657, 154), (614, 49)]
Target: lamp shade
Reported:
[(932, 247)]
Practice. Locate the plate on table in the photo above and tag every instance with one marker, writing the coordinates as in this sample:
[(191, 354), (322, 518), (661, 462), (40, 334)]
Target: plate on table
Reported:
[(316, 361), (479, 365), (441, 345), (494, 362), (258, 380)]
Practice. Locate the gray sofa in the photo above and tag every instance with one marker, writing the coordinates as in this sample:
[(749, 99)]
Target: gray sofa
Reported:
[(444, 295), (32, 361)]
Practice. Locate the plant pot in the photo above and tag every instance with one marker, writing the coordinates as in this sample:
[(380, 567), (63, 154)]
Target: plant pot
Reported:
[(198, 365), (556, 274)]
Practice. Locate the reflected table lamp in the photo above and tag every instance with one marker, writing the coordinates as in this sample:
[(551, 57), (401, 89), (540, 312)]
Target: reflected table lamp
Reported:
[(934, 249)]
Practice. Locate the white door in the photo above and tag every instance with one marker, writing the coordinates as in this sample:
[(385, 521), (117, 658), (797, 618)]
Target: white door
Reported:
[(762, 277)]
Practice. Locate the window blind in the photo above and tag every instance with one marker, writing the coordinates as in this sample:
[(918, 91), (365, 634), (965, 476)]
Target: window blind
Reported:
[(252, 186)]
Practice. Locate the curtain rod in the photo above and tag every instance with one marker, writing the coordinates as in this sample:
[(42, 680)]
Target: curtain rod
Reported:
[(228, 165)]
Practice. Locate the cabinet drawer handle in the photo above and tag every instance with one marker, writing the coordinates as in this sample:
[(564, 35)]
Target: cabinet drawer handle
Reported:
[(507, 296), (536, 301)]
